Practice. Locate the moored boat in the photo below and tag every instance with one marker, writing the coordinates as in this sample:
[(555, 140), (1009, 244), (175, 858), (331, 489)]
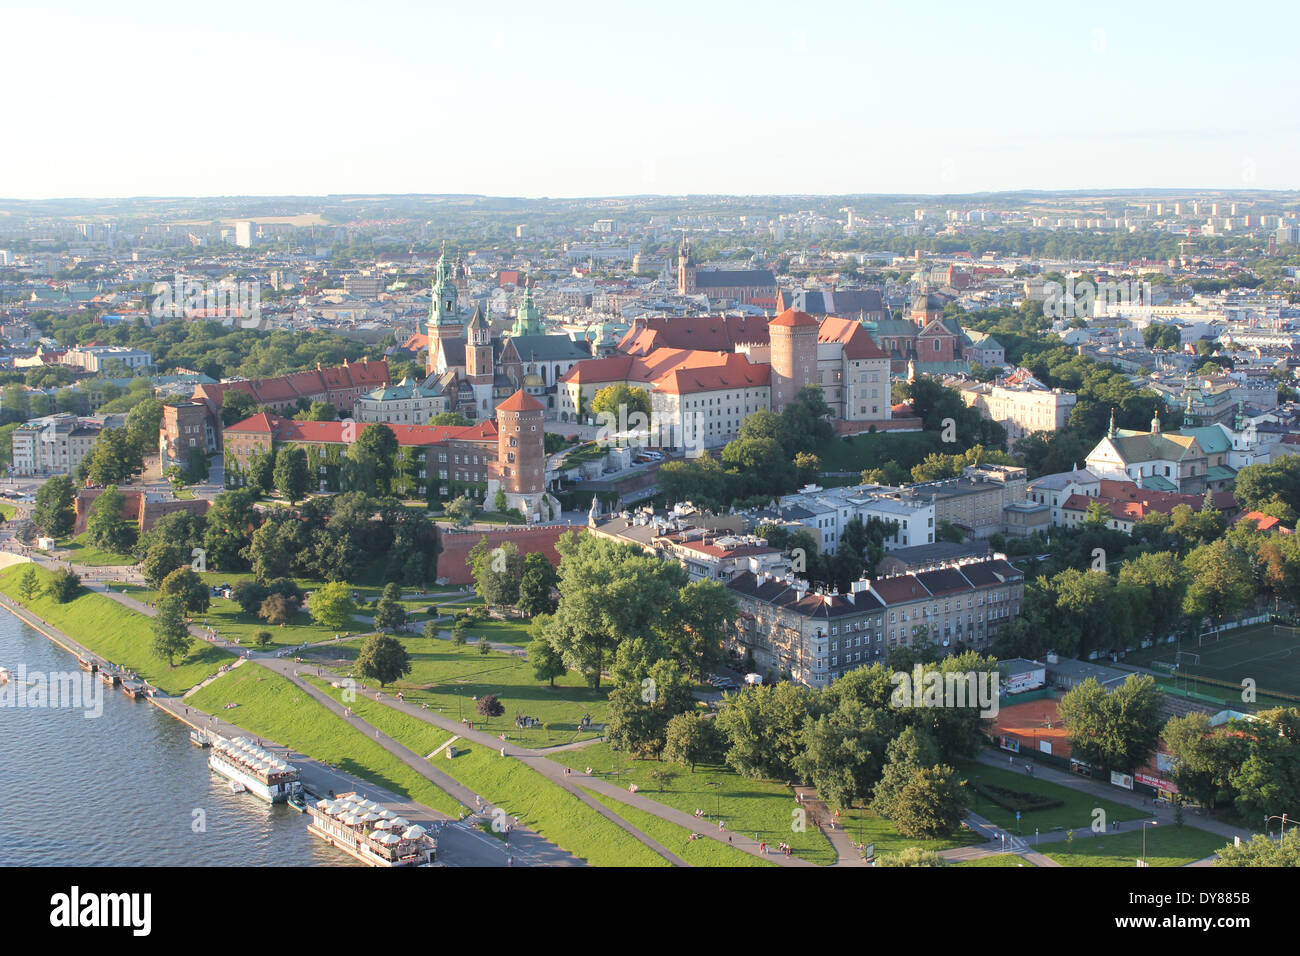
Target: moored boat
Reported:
[(371, 833), (259, 771), (199, 739)]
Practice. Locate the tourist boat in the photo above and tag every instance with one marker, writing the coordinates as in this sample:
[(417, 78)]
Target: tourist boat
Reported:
[(298, 802), (131, 690), (369, 832), (259, 771), (109, 678), (199, 739), (88, 665), (236, 787)]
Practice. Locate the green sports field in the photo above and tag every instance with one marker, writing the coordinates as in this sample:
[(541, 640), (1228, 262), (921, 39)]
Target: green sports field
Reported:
[(1269, 654)]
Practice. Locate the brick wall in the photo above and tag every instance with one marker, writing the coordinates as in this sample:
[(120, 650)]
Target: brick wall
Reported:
[(456, 546)]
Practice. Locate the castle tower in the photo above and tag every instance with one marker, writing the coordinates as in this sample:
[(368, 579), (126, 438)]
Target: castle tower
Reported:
[(685, 270), (528, 320), (478, 351), (444, 312), (520, 468), (793, 337)]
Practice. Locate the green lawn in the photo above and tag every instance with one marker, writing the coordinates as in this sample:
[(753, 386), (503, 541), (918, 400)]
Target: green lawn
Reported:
[(233, 624), (1166, 845), (117, 634), (522, 792), (518, 633), (8, 510), (997, 859), (675, 839), (447, 678), (548, 809), (1076, 812), (874, 449), (271, 706), (419, 735), (867, 827), (81, 551), (746, 806)]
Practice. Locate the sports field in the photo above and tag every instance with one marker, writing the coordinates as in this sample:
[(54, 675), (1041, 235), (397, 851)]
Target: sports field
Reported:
[(1268, 654)]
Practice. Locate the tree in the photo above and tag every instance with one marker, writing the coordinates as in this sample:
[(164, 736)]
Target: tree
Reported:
[(263, 638), (332, 606), (171, 636), (1262, 850), (930, 804), (278, 609), (461, 511), (484, 648), (536, 585), (497, 572), (1116, 730), (1205, 758), (547, 662), (912, 750), (189, 587), (384, 659), (116, 456), (291, 473), (261, 471), (691, 739), (249, 595), (489, 705), (54, 512), (459, 632), (372, 459), (27, 583), (236, 406), (231, 521), (452, 419), (1154, 584), (105, 526), (64, 586), (808, 465), (390, 615), (763, 728), (1221, 582), (610, 399)]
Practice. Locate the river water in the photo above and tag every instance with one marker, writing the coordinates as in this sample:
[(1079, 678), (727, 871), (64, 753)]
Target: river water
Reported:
[(123, 789)]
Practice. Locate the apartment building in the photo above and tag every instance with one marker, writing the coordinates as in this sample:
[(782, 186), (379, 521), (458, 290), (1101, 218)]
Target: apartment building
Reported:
[(1019, 403), (56, 444), (813, 637)]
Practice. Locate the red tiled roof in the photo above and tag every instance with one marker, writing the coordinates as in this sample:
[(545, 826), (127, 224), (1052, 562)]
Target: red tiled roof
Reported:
[(520, 401), (793, 318), (289, 430)]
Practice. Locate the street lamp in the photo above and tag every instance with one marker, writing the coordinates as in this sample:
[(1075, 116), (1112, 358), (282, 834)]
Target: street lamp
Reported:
[(1145, 824)]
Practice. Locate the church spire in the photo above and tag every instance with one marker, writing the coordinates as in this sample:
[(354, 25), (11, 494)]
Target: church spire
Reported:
[(1110, 432)]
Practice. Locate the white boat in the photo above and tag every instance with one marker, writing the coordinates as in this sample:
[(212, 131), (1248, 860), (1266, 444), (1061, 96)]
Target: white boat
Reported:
[(256, 770), (237, 787), (6, 675), (352, 825)]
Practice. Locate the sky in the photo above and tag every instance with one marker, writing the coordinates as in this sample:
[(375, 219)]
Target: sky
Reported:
[(581, 98)]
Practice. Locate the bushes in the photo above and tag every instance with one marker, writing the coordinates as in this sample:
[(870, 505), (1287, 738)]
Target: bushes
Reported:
[(1017, 801)]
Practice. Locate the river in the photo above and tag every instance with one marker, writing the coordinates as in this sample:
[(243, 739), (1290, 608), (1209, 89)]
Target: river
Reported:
[(126, 788)]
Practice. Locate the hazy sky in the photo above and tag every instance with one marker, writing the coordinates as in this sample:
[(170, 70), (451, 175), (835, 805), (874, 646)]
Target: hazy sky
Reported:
[(607, 98)]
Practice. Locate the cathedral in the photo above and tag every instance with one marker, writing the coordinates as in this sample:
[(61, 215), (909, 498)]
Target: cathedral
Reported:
[(476, 369)]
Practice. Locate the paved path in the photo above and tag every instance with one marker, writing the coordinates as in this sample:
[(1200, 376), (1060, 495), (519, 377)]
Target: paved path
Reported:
[(1145, 808), (846, 850), (568, 780), (444, 782)]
